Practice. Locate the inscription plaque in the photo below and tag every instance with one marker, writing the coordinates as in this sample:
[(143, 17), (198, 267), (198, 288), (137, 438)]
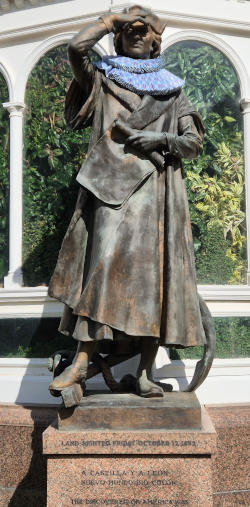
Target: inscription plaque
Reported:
[(129, 481)]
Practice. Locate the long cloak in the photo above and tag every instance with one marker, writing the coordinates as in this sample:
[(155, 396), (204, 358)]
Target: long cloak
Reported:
[(126, 265)]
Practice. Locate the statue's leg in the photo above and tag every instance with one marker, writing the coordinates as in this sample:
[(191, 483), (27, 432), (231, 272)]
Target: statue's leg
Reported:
[(145, 386), (77, 371)]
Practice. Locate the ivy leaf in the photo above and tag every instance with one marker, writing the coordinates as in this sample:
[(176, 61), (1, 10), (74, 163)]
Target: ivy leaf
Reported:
[(57, 152), (217, 168), (229, 119), (197, 245)]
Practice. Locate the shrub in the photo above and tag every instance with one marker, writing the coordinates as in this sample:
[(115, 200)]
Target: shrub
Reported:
[(232, 340), (215, 181), (53, 155)]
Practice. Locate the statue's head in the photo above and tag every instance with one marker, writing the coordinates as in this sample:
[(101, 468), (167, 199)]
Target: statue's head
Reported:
[(141, 39)]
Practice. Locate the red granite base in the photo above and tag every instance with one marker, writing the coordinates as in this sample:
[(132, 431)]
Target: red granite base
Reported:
[(232, 499), (115, 467), (23, 466), (23, 473), (231, 463), (129, 480)]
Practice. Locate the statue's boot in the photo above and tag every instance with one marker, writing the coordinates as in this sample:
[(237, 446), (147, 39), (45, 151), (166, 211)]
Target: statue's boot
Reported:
[(76, 372), (148, 389), (145, 387)]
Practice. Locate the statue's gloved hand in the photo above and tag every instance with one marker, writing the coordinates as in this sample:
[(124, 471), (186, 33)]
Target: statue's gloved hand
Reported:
[(146, 141)]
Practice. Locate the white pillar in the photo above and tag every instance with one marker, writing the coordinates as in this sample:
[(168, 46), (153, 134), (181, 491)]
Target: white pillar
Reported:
[(14, 279), (245, 106)]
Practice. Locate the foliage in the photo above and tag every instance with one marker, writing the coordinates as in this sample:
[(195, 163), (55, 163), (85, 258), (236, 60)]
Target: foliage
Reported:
[(232, 340), (53, 155), (22, 337), (4, 179), (40, 349), (40, 338), (210, 260), (215, 182), (222, 211)]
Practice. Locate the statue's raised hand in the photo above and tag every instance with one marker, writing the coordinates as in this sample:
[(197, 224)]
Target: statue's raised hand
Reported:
[(119, 21)]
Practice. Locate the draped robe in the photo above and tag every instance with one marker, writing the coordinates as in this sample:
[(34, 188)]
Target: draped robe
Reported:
[(126, 265)]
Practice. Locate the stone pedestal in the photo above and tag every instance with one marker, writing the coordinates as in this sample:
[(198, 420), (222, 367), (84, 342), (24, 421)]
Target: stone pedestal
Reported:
[(110, 460)]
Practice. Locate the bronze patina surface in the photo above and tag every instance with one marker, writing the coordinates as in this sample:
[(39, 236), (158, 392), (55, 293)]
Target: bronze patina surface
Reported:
[(128, 411), (126, 270)]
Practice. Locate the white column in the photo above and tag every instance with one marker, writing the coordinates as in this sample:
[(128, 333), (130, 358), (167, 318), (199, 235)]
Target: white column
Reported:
[(14, 278), (245, 106)]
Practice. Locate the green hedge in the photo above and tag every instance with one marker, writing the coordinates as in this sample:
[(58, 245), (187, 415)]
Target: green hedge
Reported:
[(53, 155), (232, 340), (52, 158), (215, 181), (40, 338)]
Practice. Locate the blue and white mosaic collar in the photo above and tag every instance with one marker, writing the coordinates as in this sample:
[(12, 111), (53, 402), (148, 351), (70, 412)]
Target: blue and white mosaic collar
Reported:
[(140, 76)]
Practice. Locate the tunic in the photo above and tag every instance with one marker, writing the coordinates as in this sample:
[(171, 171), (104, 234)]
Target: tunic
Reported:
[(126, 265)]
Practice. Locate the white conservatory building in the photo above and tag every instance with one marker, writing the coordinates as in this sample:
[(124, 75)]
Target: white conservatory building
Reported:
[(208, 43)]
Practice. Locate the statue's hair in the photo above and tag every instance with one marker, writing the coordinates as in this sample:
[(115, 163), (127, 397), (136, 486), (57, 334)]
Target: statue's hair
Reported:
[(145, 13)]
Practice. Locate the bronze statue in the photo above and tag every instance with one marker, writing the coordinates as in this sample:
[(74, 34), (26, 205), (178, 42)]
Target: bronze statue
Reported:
[(126, 267)]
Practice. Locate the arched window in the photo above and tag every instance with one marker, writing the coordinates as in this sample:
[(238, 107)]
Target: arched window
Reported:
[(53, 155), (4, 180), (215, 181)]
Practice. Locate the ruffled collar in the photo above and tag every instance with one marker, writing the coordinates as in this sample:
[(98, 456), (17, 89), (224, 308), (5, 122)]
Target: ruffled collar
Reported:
[(140, 76)]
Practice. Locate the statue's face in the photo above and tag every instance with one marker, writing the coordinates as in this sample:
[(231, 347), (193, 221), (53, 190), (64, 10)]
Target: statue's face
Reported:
[(137, 41)]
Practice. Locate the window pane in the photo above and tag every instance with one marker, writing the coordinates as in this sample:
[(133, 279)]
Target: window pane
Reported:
[(53, 156), (38, 337), (215, 181), (232, 340), (31, 337), (4, 180)]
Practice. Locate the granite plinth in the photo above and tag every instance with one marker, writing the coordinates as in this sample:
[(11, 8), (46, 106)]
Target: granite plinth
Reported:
[(234, 499), (129, 480), (149, 466), (23, 468), (126, 411), (231, 464)]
